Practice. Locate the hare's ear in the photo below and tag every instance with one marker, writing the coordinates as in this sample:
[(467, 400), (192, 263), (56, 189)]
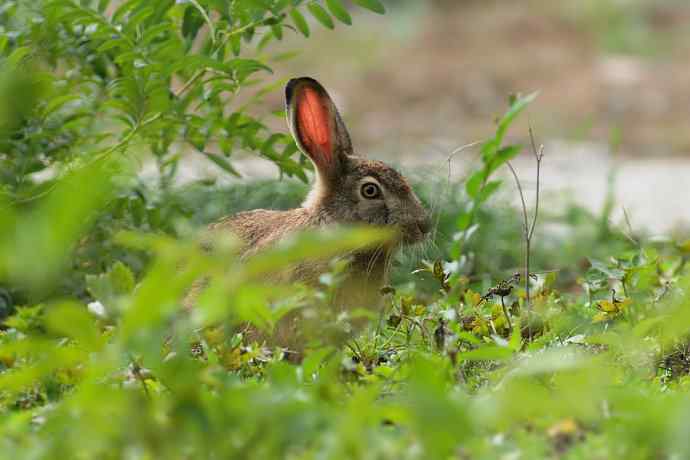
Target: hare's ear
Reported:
[(316, 125)]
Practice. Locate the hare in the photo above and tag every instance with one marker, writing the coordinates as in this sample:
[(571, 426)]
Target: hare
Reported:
[(348, 190)]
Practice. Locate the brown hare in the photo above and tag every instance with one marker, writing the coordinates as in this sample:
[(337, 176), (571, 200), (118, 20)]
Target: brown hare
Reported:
[(348, 190)]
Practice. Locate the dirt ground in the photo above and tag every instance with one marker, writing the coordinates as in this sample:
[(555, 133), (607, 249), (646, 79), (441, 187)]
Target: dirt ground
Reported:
[(422, 76)]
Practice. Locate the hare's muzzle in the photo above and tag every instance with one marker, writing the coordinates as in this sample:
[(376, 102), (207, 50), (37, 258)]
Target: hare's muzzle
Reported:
[(416, 230)]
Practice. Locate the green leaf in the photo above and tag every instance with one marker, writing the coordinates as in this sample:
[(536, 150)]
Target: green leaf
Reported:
[(299, 21), (125, 8), (121, 279), (321, 15), (339, 11), (311, 364), (191, 22), (515, 343), (207, 19), (518, 105), (222, 162), (157, 31), (489, 189), (16, 57), (551, 361), (74, 321), (503, 156), (37, 251), (317, 245), (108, 287), (235, 44), (474, 183), (487, 353), (373, 5), (463, 220), (110, 44), (136, 20), (277, 33), (57, 102)]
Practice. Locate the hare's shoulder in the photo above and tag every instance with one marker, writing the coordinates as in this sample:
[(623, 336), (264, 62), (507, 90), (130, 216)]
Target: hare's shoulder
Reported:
[(261, 227)]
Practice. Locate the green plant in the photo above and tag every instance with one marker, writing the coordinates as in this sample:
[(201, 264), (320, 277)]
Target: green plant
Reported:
[(479, 187), (171, 78), (98, 359)]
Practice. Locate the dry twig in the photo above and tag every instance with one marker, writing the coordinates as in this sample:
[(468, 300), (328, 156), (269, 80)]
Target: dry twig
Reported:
[(527, 226)]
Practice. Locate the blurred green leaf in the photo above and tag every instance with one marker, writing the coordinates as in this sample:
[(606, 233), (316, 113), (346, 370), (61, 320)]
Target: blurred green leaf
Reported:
[(474, 183), (338, 10), (321, 15), (73, 320), (487, 353), (222, 163), (45, 235), (300, 21), (109, 287), (373, 5)]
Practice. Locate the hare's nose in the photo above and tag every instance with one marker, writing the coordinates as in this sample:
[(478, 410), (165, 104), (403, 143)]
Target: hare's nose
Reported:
[(424, 225)]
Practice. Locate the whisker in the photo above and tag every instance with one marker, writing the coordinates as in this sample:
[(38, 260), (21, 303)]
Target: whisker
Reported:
[(372, 260)]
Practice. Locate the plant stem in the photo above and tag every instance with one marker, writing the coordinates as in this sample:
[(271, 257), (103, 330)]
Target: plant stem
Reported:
[(525, 231), (200, 73), (505, 313), (527, 227)]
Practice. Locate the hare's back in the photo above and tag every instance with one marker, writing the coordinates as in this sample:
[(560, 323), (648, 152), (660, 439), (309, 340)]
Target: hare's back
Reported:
[(262, 227)]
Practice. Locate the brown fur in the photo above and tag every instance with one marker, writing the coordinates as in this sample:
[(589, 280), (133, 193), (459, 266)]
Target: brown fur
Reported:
[(336, 198)]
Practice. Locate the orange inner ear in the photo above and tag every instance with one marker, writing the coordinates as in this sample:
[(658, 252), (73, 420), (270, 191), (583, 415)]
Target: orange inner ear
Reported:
[(313, 124)]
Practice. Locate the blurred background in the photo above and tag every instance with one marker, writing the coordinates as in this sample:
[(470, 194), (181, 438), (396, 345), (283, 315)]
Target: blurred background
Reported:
[(430, 76)]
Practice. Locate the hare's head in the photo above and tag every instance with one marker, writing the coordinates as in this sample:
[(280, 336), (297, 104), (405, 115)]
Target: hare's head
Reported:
[(349, 188)]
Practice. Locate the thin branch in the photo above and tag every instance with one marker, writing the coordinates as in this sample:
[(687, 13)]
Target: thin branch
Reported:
[(199, 73), (457, 151), (121, 143), (525, 226), (449, 160), (630, 233), (538, 155), (128, 137), (528, 245), (528, 229), (355, 353), (136, 370), (505, 313), (201, 9)]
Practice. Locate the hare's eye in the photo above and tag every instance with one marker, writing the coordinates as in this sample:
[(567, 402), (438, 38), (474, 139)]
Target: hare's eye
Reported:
[(370, 191)]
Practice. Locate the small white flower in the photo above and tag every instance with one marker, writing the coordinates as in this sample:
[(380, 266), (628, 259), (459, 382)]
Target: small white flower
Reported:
[(449, 314), (578, 339), (97, 309)]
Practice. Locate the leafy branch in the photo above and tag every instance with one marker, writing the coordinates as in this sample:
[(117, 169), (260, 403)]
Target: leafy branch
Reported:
[(135, 62), (480, 186)]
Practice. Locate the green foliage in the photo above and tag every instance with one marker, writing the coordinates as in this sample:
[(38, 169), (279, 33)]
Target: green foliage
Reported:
[(89, 78), (99, 359), (478, 187), (440, 376), (443, 376)]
